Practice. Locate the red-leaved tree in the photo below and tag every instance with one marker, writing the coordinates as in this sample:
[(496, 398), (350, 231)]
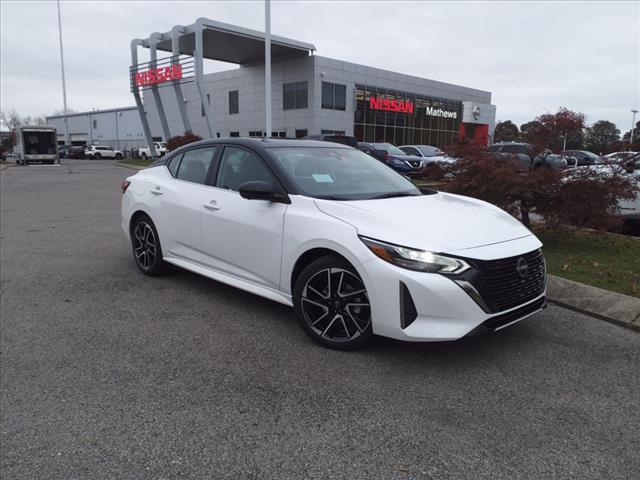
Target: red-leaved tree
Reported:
[(180, 140), (582, 197)]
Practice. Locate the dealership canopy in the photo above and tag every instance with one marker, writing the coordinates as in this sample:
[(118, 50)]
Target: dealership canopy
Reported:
[(204, 39), (233, 44)]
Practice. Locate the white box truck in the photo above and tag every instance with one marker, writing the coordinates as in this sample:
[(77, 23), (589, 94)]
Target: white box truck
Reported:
[(36, 143)]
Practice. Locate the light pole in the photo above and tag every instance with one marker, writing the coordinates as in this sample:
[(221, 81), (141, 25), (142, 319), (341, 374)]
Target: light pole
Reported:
[(633, 127), (64, 85), (267, 65)]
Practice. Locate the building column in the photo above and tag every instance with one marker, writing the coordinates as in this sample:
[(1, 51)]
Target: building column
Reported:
[(175, 52), (198, 57), (136, 96), (153, 39)]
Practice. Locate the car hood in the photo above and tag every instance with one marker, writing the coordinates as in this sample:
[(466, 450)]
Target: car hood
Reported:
[(440, 222)]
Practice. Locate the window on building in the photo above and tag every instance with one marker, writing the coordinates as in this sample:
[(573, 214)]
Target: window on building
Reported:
[(234, 134), (195, 164), (332, 132), (95, 124), (334, 96), (281, 134), (233, 101), (295, 95), (301, 133), (255, 133)]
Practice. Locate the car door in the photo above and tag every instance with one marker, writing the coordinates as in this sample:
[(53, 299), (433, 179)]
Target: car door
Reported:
[(176, 198), (242, 237)]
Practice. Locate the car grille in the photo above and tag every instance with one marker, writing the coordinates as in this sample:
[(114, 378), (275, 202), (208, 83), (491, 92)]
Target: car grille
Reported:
[(415, 163), (507, 283)]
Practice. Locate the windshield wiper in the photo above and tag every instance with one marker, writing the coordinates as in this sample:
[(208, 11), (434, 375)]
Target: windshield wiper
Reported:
[(394, 194)]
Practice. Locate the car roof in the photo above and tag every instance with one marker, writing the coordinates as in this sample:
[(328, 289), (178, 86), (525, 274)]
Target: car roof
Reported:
[(265, 143)]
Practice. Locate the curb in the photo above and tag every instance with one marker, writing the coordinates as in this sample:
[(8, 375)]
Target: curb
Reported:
[(612, 307), (132, 167)]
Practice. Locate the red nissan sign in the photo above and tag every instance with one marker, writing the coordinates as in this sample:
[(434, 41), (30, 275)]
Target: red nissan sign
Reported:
[(154, 76), (404, 106)]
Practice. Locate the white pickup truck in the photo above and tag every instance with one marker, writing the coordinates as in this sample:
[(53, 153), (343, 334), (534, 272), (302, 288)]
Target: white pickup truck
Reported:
[(160, 147)]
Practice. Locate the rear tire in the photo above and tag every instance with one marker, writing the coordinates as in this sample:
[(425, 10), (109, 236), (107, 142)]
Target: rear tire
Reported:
[(145, 243), (143, 156), (332, 305)]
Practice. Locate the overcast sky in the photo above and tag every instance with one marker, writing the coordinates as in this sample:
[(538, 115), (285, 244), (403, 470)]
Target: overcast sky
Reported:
[(533, 57)]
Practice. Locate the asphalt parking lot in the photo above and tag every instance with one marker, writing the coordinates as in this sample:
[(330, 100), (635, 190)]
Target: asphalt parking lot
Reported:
[(108, 374)]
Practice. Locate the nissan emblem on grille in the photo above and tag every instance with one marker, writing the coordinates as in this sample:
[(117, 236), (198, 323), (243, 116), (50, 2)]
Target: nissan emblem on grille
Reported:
[(522, 267)]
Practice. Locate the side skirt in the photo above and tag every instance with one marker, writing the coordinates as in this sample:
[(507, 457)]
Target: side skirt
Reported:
[(236, 282)]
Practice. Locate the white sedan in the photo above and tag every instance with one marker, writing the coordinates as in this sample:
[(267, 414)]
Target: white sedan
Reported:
[(355, 248)]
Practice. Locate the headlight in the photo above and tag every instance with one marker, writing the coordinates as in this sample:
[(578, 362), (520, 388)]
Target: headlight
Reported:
[(412, 259)]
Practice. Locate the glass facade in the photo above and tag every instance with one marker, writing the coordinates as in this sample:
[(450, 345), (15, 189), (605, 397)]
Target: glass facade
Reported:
[(403, 118)]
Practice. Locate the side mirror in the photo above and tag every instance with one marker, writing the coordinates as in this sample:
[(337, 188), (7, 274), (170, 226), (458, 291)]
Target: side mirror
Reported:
[(260, 190), (379, 154)]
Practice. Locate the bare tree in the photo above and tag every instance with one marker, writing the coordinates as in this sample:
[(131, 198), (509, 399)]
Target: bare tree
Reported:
[(11, 119)]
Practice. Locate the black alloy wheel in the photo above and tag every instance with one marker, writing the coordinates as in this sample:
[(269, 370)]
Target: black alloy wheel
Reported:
[(97, 156), (118, 156), (332, 304), (146, 247)]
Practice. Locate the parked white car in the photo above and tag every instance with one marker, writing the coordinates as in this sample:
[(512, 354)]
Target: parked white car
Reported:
[(160, 148), (102, 151), (354, 247)]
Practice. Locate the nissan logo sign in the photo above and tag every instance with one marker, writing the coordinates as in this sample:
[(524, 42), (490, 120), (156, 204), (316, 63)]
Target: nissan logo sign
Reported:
[(476, 112), (522, 267)]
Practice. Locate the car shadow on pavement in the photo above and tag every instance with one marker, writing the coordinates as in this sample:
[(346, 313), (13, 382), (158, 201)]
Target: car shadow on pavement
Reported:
[(470, 348)]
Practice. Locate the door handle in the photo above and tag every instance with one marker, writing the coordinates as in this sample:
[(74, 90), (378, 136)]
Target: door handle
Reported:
[(212, 205), (156, 191)]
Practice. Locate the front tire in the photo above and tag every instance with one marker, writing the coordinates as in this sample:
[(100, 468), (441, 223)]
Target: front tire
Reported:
[(97, 156), (332, 305), (145, 243), (118, 156), (144, 156)]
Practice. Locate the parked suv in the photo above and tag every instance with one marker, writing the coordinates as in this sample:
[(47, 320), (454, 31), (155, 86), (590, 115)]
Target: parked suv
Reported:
[(393, 156), (101, 151), (521, 153)]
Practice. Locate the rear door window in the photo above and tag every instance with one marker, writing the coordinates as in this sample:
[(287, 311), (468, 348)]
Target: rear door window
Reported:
[(195, 165), (174, 164)]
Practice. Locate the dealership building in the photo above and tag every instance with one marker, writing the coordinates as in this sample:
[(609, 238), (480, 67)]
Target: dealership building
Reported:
[(310, 94)]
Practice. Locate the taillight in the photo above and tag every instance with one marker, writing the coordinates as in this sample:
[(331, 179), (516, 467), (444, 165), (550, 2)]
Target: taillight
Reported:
[(125, 185), (386, 157)]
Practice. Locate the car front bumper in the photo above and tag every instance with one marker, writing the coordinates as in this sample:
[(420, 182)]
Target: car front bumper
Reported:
[(441, 309)]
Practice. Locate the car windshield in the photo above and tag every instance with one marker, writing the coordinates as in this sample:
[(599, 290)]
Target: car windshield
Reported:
[(391, 149), (341, 174)]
